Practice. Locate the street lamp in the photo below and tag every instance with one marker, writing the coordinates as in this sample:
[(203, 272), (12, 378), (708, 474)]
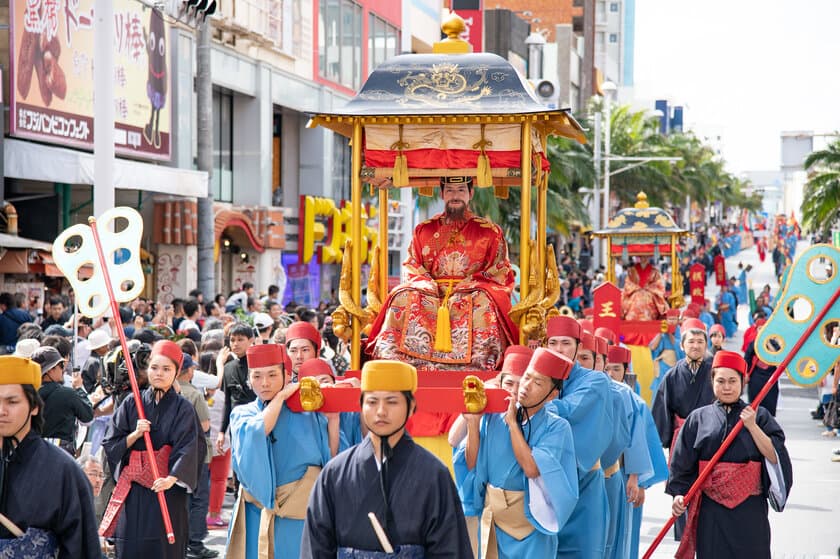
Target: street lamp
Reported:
[(535, 42), (608, 88)]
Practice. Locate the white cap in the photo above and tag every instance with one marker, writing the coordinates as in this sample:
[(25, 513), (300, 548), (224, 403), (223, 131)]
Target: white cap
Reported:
[(98, 338), (204, 381), (25, 348), (262, 320)]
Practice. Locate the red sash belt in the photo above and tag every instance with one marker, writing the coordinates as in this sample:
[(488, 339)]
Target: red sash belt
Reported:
[(139, 471), (729, 484), (678, 423)]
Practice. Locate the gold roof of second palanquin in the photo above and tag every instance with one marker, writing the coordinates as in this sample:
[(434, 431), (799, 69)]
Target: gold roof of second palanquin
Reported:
[(641, 220)]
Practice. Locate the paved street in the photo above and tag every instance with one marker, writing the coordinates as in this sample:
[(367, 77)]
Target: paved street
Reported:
[(806, 529)]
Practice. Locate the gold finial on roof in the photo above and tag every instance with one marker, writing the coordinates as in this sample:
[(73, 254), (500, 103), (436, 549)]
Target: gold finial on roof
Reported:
[(641, 201), (452, 27)]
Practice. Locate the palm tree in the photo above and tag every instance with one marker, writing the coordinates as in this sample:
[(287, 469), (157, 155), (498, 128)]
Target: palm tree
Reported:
[(820, 209), (700, 173), (634, 134)]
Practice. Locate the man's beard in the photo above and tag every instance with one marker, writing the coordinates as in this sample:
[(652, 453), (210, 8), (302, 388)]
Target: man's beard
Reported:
[(456, 213)]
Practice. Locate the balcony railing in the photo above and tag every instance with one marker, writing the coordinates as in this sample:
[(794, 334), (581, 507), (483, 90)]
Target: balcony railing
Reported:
[(268, 22)]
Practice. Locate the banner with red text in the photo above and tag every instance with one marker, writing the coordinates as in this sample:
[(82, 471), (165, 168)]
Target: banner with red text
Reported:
[(52, 89), (697, 283)]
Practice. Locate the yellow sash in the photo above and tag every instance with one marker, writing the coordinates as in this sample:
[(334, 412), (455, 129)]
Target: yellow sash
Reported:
[(290, 501), (505, 509), (612, 470)]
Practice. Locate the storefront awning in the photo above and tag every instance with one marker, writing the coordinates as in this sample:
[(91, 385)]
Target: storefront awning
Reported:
[(31, 161), (13, 241)]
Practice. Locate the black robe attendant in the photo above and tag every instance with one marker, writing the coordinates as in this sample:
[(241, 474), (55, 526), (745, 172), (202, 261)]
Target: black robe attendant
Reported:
[(44, 488), (745, 530), (424, 506), (761, 373), (140, 532), (680, 393)]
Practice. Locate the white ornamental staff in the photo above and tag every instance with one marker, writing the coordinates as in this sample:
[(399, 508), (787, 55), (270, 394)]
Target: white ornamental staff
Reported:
[(97, 240)]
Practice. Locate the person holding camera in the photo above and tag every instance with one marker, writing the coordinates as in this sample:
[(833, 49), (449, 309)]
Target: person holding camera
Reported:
[(63, 405)]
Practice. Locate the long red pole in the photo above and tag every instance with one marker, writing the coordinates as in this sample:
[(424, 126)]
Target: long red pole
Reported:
[(135, 390), (754, 404)]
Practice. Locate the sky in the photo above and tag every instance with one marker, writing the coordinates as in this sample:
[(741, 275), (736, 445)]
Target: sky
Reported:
[(745, 70)]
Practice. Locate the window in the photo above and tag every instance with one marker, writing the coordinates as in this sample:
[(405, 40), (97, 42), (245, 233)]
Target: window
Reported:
[(277, 161), (613, 37), (383, 42), (340, 42), (222, 145), (341, 167), (614, 7), (600, 12), (279, 21)]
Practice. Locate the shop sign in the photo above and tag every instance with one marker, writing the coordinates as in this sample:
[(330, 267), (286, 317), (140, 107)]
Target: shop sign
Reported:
[(52, 89)]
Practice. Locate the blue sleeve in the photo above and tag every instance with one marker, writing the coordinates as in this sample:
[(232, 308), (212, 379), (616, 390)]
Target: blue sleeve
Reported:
[(587, 411), (350, 430), (554, 454), (250, 455), (657, 454), (464, 480), (324, 439), (481, 472), (636, 456)]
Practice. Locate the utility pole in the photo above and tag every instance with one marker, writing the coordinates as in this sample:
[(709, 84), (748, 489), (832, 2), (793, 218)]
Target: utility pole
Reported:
[(608, 155), (204, 157), (595, 209), (587, 78), (103, 108)]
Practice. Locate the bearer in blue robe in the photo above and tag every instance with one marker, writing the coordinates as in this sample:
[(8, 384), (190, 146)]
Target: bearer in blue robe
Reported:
[(727, 308), (387, 481), (658, 474), (742, 282), (624, 415), (637, 465), (525, 471), (277, 455), (350, 426), (515, 362), (584, 404), (665, 348)]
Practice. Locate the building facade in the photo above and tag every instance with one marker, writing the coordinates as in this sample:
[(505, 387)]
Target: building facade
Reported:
[(274, 62)]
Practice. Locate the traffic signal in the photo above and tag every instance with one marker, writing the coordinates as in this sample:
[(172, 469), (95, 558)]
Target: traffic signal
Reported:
[(197, 9)]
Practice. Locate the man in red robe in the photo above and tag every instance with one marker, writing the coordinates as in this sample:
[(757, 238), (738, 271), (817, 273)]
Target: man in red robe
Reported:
[(457, 265), (643, 297)]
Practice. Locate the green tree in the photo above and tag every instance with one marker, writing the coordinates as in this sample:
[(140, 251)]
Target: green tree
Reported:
[(820, 208)]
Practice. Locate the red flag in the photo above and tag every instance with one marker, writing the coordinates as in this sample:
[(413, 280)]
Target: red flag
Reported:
[(607, 303), (697, 283), (720, 270)]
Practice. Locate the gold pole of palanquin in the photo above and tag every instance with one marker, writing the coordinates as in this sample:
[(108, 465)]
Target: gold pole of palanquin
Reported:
[(542, 226), (675, 271), (383, 243), (356, 236), (610, 276), (525, 219)]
